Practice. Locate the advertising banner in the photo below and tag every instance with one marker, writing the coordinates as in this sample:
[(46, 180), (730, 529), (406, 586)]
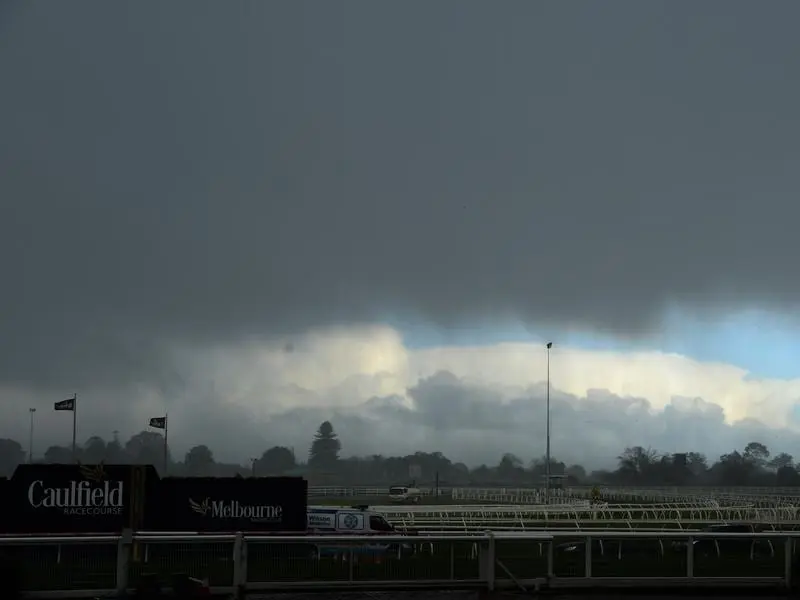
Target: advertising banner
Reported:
[(77, 498), (210, 504), (5, 515)]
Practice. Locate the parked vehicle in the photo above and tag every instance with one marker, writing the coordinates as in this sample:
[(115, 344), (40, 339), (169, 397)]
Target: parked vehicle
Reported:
[(356, 520), (405, 494)]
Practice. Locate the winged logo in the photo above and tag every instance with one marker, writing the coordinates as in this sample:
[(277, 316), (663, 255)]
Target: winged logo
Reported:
[(93, 473), (200, 508)]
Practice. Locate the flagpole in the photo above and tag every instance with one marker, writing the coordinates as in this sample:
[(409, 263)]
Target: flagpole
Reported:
[(166, 436), (74, 425)]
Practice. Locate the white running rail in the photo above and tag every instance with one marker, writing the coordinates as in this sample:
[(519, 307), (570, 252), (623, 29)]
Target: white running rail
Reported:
[(617, 495), (503, 516)]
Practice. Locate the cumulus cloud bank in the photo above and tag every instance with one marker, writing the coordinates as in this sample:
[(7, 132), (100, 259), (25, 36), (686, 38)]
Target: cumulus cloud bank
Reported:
[(471, 403)]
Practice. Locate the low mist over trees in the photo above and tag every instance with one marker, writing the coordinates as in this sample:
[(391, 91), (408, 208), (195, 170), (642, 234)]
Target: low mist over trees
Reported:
[(321, 464)]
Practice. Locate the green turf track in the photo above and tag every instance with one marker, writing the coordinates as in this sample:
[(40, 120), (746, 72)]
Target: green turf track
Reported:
[(90, 567)]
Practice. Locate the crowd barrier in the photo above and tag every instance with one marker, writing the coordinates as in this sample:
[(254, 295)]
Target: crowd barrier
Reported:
[(240, 564)]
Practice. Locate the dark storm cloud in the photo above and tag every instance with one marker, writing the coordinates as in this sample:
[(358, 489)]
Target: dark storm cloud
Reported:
[(208, 170)]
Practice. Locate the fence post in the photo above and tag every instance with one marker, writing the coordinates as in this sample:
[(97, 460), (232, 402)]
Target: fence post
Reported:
[(587, 556), (239, 564), (486, 560), (123, 560)]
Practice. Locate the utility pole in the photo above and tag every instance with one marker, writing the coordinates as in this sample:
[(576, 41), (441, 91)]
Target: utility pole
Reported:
[(547, 451)]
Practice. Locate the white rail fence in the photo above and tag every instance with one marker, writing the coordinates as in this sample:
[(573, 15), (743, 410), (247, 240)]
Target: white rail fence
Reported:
[(533, 495), (471, 517), (486, 561)]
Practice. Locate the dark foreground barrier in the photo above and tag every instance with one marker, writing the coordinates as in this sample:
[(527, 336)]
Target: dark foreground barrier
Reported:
[(109, 498), (265, 564), (10, 575)]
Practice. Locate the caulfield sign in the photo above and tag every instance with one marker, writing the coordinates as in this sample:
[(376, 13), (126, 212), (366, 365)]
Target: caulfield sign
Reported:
[(93, 496), (76, 498)]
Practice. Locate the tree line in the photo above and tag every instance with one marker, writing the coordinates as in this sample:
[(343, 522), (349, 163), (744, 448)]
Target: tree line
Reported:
[(322, 464)]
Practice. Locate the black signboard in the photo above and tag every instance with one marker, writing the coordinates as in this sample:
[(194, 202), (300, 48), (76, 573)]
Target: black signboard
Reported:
[(230, 504), (5, 516), (78, 498)]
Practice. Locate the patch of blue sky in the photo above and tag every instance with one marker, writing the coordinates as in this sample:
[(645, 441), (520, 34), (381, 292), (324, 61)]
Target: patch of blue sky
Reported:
[(767, 345)]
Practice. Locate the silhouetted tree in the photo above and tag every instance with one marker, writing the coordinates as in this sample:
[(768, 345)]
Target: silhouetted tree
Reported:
[(11, 454), (787, 476), (510, 467), (756, 454), (147, 448), (733, 468), (636, 463), (115, 453), (324, 452), (199, 461), (780, 460), (94, 450), (58, 455), (697, 463), (278, 460)]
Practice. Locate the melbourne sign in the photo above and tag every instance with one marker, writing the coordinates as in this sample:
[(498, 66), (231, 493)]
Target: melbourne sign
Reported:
[(233, 509), (230, 504)]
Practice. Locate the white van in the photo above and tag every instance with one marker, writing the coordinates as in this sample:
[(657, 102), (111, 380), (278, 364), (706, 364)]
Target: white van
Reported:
[(402, 494), (356, 521)]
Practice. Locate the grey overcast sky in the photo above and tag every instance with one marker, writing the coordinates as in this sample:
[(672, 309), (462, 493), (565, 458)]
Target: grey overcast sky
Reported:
[(199, 172)]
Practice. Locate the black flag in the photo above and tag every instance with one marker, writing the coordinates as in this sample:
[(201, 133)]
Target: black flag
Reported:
[(68, 404)]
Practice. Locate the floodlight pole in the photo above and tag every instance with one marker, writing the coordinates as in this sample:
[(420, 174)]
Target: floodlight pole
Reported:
[(547, 451)]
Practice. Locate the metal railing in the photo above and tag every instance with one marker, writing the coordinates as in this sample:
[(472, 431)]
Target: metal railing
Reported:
[(92, 566), (701, 496), (630, 489), (471, 517)]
